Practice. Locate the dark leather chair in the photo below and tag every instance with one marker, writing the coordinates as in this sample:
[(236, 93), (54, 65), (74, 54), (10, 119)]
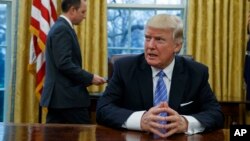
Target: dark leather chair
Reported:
[(112, 60)]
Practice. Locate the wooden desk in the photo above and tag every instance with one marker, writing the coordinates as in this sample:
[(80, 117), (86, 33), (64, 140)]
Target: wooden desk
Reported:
[(234, 111), (66, 132)]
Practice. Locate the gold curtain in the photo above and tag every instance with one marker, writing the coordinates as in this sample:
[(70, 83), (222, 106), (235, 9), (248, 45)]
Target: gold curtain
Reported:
[(26, 103), (217, 37), (92, 38)]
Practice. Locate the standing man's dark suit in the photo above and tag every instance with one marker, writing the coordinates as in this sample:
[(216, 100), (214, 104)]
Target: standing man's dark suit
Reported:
[(65, 93), (131, 89), (66, 81)]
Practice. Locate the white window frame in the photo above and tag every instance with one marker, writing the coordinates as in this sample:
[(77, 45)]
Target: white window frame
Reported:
[(10, 59)]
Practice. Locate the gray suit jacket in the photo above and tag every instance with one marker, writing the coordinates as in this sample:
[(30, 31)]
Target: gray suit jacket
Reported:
[(131, 89), (65, 80)]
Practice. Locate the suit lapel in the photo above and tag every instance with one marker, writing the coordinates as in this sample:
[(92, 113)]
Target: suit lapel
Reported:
[(78, 52), (72, 32), (179, 80), (145, 83)]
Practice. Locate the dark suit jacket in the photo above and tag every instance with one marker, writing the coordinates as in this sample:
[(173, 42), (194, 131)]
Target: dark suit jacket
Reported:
[(131, 89), (65, 80)]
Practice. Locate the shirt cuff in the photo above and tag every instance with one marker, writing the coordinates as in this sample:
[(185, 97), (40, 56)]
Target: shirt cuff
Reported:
[(194, 126), (134, 121)]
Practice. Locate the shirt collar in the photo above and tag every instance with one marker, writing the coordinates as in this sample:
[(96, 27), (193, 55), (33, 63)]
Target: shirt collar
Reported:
[(168, 70), (67, 19)]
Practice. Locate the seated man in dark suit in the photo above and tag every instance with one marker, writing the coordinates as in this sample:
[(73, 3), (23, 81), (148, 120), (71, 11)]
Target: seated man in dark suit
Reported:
[(179, 100)]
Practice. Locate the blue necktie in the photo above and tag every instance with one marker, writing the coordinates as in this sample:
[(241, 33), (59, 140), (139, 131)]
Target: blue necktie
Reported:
[(160, 92)]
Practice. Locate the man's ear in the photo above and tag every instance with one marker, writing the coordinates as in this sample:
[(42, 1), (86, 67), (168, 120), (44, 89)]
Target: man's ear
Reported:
[(72, 10), (178, 46)]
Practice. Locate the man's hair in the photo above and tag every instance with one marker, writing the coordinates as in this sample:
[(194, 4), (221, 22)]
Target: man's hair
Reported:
[(66, 4), (165, 21)]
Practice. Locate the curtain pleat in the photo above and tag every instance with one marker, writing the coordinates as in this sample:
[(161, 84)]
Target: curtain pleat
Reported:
[(217, 37)]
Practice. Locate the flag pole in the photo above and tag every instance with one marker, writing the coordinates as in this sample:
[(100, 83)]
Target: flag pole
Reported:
[(40, 114)]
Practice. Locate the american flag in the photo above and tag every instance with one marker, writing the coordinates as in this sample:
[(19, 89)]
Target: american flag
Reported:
[(43, 16)]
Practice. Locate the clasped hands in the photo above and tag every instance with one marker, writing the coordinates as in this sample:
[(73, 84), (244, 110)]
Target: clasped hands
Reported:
[(175, 123)]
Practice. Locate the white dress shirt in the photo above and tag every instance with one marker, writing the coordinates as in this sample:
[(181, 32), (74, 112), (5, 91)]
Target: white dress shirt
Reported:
[(70, 23), (134, 120)]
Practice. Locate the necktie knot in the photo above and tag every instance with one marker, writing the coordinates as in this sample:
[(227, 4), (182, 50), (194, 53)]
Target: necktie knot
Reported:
[(161, 74)]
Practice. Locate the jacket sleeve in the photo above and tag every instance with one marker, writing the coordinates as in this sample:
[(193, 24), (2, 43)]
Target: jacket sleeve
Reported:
[(109, 109)]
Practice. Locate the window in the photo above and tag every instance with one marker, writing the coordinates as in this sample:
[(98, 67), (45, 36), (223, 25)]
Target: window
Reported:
[(3, 24), (5, 37), (126, 20), (2, 42)]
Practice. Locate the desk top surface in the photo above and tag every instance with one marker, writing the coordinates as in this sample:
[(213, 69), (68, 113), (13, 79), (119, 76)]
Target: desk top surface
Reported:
[(66, 132)]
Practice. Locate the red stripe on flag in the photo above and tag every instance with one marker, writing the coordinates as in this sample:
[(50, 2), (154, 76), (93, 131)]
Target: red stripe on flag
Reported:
[(36, 3), (53, 11), (36, 47), (34, 23), (45, 13), (42, 37), (40, 73)]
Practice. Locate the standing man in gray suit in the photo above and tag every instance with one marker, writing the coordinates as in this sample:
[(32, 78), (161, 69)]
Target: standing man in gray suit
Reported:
[(65, 93), (130, 100)]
